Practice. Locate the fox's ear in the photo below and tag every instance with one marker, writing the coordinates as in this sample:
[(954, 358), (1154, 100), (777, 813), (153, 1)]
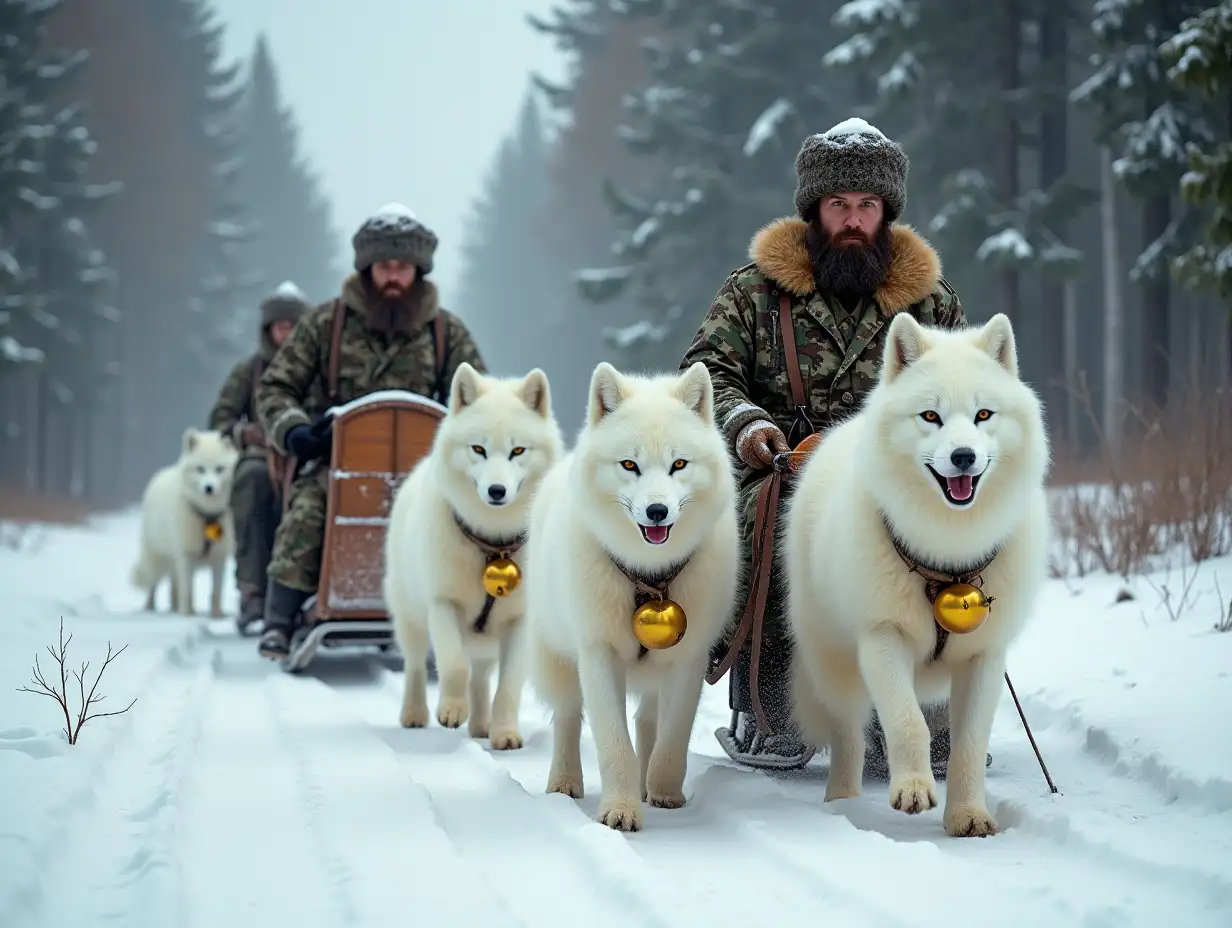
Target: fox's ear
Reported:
[(464, 389), (696, 391), (996, 337), (536, 393), (606, 392), (904, 346), (190, 438)]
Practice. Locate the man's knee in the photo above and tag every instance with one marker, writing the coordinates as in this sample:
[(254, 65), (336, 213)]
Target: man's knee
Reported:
[(251, 486), (301, 534)]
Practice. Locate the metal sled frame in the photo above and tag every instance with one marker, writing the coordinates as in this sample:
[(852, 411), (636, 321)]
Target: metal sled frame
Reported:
[(345, 633), (378, 440)]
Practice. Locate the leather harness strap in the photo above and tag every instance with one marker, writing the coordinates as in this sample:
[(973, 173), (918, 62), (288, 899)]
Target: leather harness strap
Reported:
[(765, 526)]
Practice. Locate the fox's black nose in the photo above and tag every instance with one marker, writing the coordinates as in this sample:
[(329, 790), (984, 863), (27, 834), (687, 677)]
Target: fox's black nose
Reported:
[(656, 512), (496, 492), (962, 458)]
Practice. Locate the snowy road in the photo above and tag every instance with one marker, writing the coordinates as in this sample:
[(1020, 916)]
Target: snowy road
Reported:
[(234, 794)]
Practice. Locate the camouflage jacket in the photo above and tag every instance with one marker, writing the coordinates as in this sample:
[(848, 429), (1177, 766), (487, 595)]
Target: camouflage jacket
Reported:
[(235, 404), (739, 339), (295, 389)]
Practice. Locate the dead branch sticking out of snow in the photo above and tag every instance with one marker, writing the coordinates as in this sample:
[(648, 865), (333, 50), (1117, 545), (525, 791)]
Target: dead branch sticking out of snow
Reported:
[(72, 727), (1176, 608), (1225, 610)]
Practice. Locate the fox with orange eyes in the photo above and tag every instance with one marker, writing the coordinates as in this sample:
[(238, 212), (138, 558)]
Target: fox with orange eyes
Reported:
[(916, 546), (455, 576), (633, 551)]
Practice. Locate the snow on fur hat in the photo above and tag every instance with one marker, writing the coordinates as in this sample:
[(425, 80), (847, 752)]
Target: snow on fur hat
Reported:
[(393, 233), (287, 302), (852, 156)]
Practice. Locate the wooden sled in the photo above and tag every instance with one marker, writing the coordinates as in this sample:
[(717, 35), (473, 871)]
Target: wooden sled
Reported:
[(377, 440)]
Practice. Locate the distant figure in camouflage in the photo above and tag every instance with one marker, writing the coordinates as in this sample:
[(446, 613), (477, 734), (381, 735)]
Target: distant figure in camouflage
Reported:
[(387, 343), (836, 274), (255, 503)]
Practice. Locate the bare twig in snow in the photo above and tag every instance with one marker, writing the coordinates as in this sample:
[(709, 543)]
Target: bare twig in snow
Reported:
[(1225, 610), (41, 686), (1177, 609)]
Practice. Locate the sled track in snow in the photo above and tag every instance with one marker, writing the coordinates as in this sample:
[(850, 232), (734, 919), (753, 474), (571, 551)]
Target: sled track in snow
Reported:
[(516, 841), (236, 793), (1112, 849)]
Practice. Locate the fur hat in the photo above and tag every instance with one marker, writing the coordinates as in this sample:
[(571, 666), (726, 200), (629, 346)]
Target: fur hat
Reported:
[(287, 302), (393, 233), (852, 156)]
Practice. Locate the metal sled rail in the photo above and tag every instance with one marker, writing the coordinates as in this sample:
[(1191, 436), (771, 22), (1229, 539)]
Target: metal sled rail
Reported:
[(336, 634)]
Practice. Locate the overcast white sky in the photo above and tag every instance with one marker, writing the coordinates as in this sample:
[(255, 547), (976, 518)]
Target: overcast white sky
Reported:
[(402, 100)]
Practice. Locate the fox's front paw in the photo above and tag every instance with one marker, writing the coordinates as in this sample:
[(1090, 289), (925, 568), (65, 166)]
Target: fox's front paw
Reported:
[(913, 793), (451, 713), (621, 813), (969, 821)]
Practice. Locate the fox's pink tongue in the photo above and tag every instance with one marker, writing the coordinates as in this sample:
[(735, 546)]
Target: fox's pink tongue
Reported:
[(960, 487), (657, 534)]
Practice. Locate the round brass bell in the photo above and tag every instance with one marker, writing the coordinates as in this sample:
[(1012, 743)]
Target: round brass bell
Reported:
[(659, 624), (213, 531), (961, 608), (501, 577)]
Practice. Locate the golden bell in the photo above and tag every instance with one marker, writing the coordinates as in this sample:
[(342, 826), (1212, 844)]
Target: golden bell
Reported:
[(501, 577), (213, 531), (659, 624), (960, 608)]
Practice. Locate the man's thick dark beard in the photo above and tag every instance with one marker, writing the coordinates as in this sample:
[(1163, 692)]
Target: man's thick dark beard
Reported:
[(848, 270), (392, 314)]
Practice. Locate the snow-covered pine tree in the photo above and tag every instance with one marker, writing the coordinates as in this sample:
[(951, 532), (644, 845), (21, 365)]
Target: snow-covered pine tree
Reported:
[(1199, 58), (51, 275), (505, 291), (733, 89), (605, 63), (217, 318), (293, 235), (55, 282), (963, 84), (1150, 124)]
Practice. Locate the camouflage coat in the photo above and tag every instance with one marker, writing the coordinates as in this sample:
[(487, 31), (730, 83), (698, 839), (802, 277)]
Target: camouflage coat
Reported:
[(236, 406), (294, 388), (839, 352)]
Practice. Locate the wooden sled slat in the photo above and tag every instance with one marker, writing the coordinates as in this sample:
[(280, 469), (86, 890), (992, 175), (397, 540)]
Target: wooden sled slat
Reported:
[(377, 441)]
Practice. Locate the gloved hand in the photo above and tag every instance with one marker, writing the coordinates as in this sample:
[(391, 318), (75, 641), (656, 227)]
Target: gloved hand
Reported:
[(308, 442), (758, 442)]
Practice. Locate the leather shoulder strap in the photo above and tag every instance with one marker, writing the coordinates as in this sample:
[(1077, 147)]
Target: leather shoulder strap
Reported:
[(335, 353), (438, 335), (788, 332), (440, 343), (257, 370)]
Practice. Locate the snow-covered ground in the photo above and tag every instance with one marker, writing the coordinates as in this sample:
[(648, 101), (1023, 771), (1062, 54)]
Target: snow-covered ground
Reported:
[(232, 794)]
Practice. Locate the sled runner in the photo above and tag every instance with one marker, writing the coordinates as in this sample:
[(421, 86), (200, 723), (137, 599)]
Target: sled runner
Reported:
[(378, 439)]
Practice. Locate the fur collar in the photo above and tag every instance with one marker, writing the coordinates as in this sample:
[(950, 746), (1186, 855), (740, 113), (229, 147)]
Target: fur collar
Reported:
[(779, 252), (354, 296)]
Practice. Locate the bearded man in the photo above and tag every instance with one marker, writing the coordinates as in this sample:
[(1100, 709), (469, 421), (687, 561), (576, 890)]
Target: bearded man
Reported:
[(391, 334), (793, 342)]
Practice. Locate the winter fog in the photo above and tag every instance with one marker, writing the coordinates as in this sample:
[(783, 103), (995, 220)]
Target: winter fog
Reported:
[(593, 170)]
